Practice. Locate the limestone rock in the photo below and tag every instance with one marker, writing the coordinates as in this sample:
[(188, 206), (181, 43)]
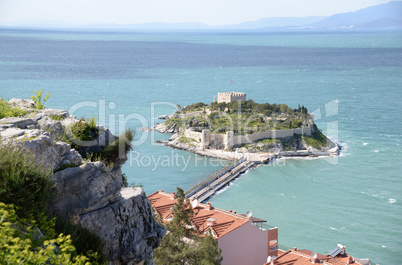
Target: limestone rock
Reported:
[(84, 188), (52, 126), (132, 232), (21, 123), (164, 128), (122, 218), (27, 104)]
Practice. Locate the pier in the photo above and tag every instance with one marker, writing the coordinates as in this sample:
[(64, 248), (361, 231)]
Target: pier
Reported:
[(218, 180)]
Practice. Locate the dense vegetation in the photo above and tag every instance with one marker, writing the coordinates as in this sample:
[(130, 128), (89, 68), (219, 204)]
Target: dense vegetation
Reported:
[(242, 117), (183, 244), (28, 232)]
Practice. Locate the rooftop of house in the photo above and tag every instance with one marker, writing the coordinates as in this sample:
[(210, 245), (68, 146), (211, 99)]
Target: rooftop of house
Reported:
[(206, 217), (304, 257)]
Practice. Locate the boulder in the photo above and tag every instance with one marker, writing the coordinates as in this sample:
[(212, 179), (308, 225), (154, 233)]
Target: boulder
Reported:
[(21, 123), (54, 127), (27, 104)]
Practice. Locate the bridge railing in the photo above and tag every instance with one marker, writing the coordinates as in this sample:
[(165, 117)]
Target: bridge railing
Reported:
[(211, 179)]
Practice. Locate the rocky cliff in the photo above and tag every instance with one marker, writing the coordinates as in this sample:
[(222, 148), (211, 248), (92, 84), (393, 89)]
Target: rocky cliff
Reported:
[(89, 193)]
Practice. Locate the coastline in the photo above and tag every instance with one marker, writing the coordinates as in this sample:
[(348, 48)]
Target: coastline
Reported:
[(212, 185)]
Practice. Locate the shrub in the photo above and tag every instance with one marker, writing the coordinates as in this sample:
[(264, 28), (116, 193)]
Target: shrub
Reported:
[(8, 111), (21, 241), (37, 98), (85, 241), (117, 150), (27, 231), (125, 181), (24, 182), (84, 130)]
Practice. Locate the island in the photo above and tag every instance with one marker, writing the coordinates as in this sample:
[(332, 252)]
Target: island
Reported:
[(233, 128)]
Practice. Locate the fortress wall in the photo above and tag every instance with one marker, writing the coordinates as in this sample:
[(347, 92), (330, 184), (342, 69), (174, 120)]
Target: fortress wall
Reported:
[(273, 134), (186, 115), (229, 139), (193, 135), (219, 138), (304, 130)]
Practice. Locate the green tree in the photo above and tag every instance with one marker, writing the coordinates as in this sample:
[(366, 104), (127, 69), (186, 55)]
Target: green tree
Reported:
[(183, 243)]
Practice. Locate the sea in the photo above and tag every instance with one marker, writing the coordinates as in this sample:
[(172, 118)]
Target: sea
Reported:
[(350, 80)]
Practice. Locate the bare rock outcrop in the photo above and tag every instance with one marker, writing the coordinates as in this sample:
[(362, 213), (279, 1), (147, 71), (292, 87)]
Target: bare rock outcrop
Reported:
[(167, 128)]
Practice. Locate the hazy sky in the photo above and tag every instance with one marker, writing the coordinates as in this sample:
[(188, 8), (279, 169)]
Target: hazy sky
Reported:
[(211, 12)]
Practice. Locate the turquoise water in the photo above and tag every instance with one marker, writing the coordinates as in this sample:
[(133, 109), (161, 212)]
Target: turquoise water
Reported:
[(352, 82)]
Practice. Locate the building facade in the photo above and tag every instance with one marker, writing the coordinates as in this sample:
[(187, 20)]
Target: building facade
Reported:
[(242, 238), (228, 97)]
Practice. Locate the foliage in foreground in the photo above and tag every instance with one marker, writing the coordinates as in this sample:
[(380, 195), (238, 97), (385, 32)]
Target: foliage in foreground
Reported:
[(183, 245), (8, 111), (21, 242), (28, 234), (24, 182)]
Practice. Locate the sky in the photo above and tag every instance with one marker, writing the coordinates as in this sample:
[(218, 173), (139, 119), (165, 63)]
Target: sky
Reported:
[(210, 12)]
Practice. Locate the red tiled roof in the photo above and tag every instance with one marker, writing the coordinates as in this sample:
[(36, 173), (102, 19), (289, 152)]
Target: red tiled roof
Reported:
[(303, 257), (224, 222)]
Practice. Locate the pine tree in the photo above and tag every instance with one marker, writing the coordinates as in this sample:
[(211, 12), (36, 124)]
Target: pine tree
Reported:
[(182, 244)]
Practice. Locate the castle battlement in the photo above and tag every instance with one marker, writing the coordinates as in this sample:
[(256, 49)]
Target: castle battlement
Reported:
[(228, 97)]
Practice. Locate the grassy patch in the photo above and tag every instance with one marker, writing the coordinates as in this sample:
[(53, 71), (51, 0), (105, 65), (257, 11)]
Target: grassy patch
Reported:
[(57, 117), (69, 165), (24, 182), (318, 140), (187, 141), (8, 111)]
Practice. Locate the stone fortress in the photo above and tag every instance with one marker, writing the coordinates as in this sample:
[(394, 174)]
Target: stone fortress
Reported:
[(228, 97), (229, 140)]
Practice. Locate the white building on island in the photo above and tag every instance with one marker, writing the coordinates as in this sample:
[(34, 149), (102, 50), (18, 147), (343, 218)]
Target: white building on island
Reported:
[(228, 97)]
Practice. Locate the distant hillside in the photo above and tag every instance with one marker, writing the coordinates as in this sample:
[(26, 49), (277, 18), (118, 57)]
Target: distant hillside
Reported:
[(384, 16), (276, 22), (380, 16)]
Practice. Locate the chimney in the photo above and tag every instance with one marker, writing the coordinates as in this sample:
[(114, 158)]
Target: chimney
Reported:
[(173, 195), (209, 206), (234, 212), (211, 221), (230, 211), (295, 249), (161, 191)]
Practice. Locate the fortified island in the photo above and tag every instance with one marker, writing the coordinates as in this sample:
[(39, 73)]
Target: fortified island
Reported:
[(249, 133), (234, 128)]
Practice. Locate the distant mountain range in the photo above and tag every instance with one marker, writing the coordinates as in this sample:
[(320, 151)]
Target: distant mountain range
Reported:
[(383, 16)]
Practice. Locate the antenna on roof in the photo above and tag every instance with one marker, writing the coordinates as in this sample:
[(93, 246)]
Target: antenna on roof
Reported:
[(269, 259), (194, 203), (249, 213), (313, 255)]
